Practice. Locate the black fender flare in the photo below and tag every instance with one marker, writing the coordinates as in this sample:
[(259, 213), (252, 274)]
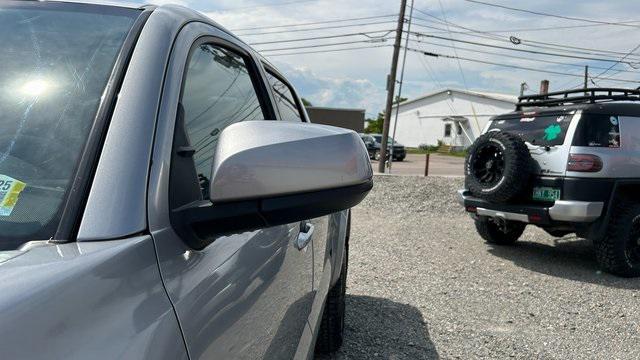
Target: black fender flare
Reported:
[(339, 250), (620, 188)]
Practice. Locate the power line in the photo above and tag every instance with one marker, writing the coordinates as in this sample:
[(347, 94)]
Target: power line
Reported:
[(618, 62), (525, 42), (419, 34), (329, 50), (518, 57), (498, 39), (429, 71), (265, 6), (512, 66), (535, 29), (323, 45), (554, 47), (455, 51), (364, 33), (314, 23), (446, 22), (317, 28), (616, 23), (573, 47)]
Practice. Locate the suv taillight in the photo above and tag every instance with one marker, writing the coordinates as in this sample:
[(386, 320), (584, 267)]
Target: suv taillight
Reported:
[(584, 163)]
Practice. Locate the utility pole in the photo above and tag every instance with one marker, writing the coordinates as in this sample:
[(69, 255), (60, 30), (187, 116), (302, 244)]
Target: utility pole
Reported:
[(391, 85), (523, 87), (586, 77), (404, 62)]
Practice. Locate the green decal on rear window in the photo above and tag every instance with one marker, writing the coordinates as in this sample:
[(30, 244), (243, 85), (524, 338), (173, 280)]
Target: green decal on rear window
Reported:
[(552, 132)]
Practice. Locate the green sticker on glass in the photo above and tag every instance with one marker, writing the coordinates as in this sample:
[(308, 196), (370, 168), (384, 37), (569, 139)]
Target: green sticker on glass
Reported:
[(552, 132)]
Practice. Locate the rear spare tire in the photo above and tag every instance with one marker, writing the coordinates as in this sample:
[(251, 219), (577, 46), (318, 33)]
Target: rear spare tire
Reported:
[(498, 167)]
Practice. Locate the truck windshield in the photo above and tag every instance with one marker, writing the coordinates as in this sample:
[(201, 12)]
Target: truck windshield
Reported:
[(541, 130), (56, 61), (379, 139)]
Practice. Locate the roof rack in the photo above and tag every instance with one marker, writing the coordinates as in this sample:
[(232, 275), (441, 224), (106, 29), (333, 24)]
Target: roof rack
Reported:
[(587, 96)]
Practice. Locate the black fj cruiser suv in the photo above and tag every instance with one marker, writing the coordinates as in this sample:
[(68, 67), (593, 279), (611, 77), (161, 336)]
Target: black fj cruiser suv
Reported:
[(568, 162)]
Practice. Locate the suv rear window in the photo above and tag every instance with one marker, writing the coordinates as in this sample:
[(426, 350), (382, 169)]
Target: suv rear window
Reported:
[(544, 130), (598, 130)]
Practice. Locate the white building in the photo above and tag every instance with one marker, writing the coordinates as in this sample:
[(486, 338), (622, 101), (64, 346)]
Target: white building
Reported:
[(454, 117)]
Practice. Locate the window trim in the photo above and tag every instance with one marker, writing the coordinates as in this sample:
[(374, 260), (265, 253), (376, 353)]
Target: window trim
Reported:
[(269, 70), (254, 73), (78, 193)]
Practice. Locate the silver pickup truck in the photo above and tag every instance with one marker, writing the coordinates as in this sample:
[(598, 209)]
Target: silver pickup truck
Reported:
[(162, 194)]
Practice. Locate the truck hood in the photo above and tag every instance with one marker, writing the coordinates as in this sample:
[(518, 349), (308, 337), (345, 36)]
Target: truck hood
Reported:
[(81, 300)]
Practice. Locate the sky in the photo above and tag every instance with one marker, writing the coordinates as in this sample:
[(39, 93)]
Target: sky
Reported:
[(357, 78)]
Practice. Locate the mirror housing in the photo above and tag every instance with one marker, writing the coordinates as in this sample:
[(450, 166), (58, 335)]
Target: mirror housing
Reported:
[(268, 173)]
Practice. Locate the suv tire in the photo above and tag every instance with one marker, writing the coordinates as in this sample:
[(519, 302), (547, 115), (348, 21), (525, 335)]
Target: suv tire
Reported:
[(331, 332), (499, 235), (618, 252), (498, 167)]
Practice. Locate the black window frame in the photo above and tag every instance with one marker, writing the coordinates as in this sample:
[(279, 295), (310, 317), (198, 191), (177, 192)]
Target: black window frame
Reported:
[(184, 194), (269, 70), (592, 122), (448, 129)]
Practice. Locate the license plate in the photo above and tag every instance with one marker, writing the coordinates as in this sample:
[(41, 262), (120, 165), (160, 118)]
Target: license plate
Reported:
[(546, 194)]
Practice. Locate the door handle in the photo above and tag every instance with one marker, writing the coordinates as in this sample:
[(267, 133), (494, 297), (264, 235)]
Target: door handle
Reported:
[(304, 237)]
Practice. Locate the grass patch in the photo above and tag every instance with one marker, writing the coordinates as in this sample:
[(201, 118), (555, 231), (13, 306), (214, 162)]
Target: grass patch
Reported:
[(457, 153), (434, 150), (419, 151)]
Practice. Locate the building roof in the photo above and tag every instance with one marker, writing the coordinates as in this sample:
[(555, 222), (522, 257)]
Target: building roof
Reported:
[(483, 94), (334, 108)]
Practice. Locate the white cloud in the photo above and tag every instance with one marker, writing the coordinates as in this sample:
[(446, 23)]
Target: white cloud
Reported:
[(358, 78), (334, 91)]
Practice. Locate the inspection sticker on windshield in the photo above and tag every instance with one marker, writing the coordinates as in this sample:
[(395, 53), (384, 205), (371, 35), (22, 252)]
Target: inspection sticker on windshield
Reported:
[(10, 189)]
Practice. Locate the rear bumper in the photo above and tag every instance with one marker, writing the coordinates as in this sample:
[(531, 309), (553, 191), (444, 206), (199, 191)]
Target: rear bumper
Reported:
[(560, 211), (399, 153)]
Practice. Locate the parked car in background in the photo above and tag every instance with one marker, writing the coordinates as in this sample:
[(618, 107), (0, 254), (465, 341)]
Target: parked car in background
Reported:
[(147, 208), (373, 143)]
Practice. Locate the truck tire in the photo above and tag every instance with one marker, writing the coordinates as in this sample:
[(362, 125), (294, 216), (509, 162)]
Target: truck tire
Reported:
[(331, 332), (498, 167), (618, 251), (493, 233)]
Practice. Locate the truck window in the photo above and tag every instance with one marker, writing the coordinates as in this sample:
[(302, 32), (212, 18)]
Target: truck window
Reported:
[(598, 130), (218, 91), (541, 130)]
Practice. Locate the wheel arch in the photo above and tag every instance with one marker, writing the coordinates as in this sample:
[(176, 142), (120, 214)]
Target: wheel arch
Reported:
[(622, 189), (340, 245)]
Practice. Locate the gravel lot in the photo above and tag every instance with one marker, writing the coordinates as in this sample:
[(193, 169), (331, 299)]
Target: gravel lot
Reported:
[(422, 284)]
